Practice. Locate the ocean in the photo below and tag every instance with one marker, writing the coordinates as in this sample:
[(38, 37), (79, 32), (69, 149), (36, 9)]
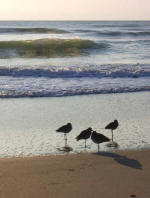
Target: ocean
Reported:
[(68, 58)]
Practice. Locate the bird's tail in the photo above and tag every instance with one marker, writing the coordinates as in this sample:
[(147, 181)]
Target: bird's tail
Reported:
[(77, 138)]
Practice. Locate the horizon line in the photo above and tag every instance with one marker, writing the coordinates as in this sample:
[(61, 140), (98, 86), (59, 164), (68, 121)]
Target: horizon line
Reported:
[(75, 20)]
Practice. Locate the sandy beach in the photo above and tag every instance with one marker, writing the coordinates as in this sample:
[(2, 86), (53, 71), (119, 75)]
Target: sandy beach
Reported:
[(104, 175)]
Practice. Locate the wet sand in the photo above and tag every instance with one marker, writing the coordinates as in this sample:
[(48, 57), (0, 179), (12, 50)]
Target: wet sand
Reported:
[(28, 125), (98, 175)]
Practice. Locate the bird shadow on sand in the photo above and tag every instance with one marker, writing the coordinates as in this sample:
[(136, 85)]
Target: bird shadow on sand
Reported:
[(123, 160)]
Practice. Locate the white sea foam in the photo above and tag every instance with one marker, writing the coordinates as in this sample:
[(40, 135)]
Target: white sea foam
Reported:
[(69, 81), (100, 71), (42, 87)]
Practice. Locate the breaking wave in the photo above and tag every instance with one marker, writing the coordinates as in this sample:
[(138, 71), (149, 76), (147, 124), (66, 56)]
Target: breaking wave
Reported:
[(32, 30), (42, 87), (48, 47), (99, 71), (69, 81), (63, 93)]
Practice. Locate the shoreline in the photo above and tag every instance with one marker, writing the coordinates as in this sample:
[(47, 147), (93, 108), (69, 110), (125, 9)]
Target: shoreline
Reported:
[(76, 96), (63, 153), (147, 90), (68, 154), (104, 174)]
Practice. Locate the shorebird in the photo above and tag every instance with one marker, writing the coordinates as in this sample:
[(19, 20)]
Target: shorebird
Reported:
[(112, 125), (99, 138), (65, 129), (84, 135)]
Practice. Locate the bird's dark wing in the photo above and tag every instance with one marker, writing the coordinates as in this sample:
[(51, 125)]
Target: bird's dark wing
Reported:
[(104, 138), (79, 137), (83, 135), (109, 126), (61, 129)]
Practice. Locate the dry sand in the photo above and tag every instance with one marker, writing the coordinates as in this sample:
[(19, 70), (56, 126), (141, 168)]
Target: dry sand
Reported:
[(103, 175)]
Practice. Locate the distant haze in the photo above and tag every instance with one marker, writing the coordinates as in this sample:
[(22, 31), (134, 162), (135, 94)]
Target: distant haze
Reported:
[(75, 10)]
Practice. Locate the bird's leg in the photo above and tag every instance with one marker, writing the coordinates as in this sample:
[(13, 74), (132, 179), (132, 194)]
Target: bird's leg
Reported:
[(65, 137), (112, 135), (85, 144), (98, 148), (66, 140)]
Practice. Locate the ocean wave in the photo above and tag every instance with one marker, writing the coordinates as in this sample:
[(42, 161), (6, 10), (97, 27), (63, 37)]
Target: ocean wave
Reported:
[(123, 33), (36, 94), (48, 47), (32, 30), (42, 87), (98, 71), (116, 24)]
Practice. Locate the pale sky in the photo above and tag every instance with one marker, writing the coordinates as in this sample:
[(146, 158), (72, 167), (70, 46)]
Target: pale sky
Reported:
[(75, 10)]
